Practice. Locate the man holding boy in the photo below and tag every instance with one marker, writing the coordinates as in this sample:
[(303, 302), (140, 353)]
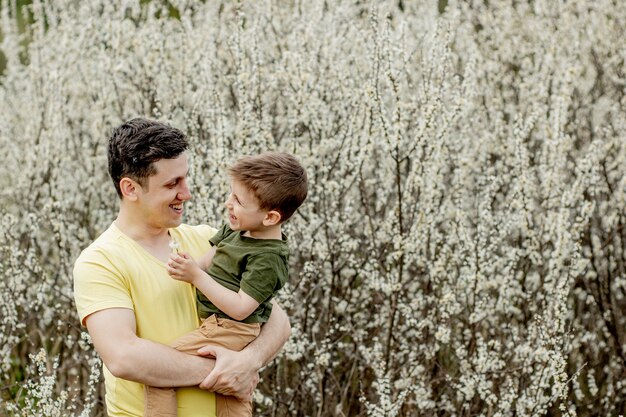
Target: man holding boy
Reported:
[(129, 303), (247, 265)]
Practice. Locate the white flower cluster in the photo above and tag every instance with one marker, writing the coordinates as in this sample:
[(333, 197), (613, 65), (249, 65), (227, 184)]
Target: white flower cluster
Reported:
[(462, 250)]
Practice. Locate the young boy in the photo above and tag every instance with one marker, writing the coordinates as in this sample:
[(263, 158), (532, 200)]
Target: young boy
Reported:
[(246, 266)]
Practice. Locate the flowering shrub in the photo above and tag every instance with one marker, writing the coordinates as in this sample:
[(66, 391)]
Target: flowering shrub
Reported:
[(462, 250)]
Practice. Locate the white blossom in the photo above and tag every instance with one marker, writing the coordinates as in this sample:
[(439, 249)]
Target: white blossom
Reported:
[(461, 250)]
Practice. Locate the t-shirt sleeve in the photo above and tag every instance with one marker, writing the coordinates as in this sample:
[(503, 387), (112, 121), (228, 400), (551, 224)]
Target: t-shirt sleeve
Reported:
[(98, 285), (265, 274), (223, 231)]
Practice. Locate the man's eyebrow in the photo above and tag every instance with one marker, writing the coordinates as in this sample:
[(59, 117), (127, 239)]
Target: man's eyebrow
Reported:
[(175, 179)]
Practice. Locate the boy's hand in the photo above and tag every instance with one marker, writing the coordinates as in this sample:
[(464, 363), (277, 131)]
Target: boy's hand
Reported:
[(182, 267)]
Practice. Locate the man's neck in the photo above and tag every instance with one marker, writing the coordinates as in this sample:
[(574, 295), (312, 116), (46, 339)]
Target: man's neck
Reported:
[(140, 231)]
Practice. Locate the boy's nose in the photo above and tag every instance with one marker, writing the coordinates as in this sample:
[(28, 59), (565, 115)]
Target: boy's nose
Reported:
[(229, 202)]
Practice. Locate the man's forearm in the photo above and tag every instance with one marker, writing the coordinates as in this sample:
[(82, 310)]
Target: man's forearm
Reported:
[(158, 365), (130, 357)]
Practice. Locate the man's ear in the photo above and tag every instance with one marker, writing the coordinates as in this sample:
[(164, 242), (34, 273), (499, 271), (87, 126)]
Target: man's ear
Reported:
[(272, 218), (129, 189)]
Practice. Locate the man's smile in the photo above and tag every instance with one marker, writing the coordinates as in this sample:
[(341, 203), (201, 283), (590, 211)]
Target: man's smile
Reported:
[(178, 208)]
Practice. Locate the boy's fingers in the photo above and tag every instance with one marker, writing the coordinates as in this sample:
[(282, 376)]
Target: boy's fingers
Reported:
[(173, 267), (177, 260)]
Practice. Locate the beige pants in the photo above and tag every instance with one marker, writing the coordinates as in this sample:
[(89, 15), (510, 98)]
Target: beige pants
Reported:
[(233, 335)]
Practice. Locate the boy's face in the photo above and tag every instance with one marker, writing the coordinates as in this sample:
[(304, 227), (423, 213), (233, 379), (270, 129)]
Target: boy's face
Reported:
[(161, 202), (243, 209)]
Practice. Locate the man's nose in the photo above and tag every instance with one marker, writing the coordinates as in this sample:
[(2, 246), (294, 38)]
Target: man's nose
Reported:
[(184, 194)]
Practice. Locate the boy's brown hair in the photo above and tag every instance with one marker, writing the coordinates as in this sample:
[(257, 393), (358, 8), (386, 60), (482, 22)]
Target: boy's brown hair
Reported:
[(276, 179)]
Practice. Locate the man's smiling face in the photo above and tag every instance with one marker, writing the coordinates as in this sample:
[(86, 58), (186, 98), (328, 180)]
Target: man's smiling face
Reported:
[(161, 201)]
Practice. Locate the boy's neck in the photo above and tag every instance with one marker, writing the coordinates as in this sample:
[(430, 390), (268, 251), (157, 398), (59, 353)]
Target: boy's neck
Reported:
[(271, 232)]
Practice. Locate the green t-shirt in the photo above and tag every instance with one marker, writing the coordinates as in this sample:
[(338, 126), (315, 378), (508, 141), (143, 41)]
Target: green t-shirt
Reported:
[(259, 267)]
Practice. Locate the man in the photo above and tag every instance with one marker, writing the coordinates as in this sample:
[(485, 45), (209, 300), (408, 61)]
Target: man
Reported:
[(128, 302)]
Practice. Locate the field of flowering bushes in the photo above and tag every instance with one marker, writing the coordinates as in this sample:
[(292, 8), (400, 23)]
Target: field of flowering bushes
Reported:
[(462, 251)]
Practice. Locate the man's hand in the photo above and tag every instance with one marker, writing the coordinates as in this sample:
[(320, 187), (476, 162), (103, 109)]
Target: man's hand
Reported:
[(182, 267), (235, 373)]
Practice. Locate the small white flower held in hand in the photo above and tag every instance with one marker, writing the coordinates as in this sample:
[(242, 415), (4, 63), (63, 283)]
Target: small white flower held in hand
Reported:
[(174, 245)]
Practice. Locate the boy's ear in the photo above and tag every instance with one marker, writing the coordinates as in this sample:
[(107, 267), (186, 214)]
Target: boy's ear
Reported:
[(129, 189), (272, 218)]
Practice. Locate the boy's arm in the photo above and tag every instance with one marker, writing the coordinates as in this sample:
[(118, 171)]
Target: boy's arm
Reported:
[(236, 373), (205, 261), (127, 356), (237, 305)]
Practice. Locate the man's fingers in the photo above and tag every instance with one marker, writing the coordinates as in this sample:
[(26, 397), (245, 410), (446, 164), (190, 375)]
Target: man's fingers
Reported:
[(209, 350), (250, 391), (216, 383), (212, 378), (209, 381), (228, 377)]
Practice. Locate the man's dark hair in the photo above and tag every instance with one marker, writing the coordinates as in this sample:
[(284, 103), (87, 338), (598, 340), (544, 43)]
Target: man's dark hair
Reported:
[(135, 145)]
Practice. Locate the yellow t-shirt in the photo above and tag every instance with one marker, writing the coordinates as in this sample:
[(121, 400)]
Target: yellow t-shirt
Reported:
[(116, 272)]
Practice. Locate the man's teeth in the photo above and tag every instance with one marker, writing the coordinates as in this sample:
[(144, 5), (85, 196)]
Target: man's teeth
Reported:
[(176, 206)]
